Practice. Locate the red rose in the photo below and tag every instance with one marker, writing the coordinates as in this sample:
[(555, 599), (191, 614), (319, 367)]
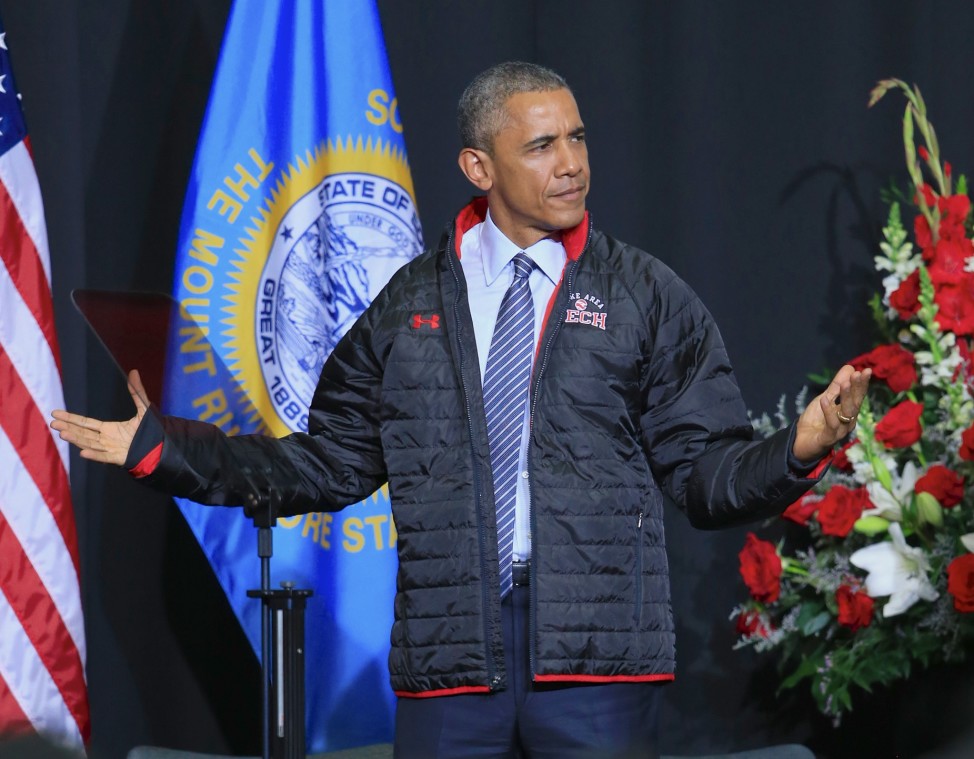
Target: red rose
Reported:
[(966, 451), (840, 508), (960, 582), (943, 484), (892, 363), (761, 568), (855, 608), (901, 425), (802, 509), (906, 298), (750, 623), (841, 459), (956, 306)]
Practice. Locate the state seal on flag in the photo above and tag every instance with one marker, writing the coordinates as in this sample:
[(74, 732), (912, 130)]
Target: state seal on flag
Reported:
[(330, 240)]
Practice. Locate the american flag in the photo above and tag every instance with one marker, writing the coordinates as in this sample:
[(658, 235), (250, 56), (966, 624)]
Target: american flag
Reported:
[(42, 639)]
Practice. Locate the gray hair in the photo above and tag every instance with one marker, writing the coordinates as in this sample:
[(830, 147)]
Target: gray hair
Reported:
[(480, 113)]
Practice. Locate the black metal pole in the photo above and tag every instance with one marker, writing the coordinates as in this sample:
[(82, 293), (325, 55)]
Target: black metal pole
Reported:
[(281, 635), (284, 672), (265, 549)]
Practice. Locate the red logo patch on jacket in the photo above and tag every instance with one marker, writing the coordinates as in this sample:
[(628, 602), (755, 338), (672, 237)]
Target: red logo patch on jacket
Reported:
[(419, 321)]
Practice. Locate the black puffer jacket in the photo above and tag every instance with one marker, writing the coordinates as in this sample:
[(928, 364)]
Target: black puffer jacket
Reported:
[(632, 398)]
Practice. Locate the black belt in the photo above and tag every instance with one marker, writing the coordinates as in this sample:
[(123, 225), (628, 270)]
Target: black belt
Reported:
[(521, 572)]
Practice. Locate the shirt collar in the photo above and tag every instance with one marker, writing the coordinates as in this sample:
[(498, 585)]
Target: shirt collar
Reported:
[(497, 251)]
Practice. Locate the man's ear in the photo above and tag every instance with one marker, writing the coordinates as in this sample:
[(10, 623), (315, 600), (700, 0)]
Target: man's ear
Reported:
[(475, 165)]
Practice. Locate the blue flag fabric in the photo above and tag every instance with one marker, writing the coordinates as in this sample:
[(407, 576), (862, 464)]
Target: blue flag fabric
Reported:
[(299, 208)]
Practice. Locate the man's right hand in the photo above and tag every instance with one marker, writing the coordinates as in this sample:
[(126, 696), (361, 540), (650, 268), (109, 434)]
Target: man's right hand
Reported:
[(107, 442)]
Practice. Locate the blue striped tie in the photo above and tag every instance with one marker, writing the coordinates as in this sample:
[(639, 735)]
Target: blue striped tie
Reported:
[(505, 393)]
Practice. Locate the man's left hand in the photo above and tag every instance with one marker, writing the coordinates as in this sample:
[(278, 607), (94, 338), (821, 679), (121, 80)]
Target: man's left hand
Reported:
[(832, 416)]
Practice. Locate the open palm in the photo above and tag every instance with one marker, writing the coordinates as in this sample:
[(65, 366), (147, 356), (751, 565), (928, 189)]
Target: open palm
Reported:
[(107, 442)]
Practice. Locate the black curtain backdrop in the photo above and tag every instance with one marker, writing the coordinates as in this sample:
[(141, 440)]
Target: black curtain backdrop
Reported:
[(731, 139)]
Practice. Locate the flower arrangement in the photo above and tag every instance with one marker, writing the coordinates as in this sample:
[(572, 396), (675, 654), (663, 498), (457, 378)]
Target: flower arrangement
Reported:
[(881, 581)]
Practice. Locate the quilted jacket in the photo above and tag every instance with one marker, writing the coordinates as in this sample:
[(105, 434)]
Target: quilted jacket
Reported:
[(633, 403)]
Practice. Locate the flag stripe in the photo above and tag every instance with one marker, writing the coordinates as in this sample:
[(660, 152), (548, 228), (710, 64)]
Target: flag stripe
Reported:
[(25, 269), (39, 535), (19, 178), (43, 628), (30, 681), (29, 436), (12, 717), (30, 355)]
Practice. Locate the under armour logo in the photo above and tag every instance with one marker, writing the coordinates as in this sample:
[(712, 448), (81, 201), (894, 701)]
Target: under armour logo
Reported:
[(432, 321)]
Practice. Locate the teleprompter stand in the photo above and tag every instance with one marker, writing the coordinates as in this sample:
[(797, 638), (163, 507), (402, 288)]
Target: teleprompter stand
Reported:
[(282, 643)]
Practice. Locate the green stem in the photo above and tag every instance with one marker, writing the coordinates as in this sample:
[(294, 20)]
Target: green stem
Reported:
[(794, 569), (867, 440), (920, 457)]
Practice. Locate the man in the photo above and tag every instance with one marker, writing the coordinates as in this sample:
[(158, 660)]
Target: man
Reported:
[(530, 390)]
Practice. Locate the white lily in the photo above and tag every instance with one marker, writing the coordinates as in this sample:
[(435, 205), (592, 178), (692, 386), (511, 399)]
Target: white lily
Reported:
[(890, 505), (896, 570)]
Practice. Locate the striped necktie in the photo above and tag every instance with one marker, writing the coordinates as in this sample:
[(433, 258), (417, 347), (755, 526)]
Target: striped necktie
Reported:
[(505, 393)]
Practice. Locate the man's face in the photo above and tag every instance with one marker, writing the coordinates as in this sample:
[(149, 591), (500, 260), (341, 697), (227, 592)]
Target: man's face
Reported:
[(538, 176)]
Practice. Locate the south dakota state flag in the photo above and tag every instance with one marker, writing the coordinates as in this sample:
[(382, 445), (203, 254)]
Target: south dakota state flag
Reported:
[(299, 209)]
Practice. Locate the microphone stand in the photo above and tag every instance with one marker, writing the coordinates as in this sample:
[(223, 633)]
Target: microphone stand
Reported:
[(281, 637)]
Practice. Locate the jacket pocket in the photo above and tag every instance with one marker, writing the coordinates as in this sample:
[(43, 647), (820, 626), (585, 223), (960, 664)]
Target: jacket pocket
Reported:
[(637, 614)]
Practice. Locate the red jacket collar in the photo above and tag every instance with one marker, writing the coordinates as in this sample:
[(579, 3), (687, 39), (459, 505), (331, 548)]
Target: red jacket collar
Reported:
[(475, 212)]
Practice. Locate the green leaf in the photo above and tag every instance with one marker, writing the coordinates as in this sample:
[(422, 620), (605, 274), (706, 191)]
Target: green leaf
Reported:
[(879, 313), (812, 618), (806, 668), (845, 699), (863, 682), (816, 623)]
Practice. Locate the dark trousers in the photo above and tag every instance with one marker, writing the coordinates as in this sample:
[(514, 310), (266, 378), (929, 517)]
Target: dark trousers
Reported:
[(528, 720)]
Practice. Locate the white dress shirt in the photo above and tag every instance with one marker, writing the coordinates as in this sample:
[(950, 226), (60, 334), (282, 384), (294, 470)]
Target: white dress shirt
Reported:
[(485, 257)]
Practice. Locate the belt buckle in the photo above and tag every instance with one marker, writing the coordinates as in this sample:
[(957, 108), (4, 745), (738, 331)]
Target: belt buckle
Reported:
[(521, 573)]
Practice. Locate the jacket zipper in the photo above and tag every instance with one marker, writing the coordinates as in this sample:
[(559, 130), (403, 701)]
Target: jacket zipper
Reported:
[(492, 679), (532, 519)]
